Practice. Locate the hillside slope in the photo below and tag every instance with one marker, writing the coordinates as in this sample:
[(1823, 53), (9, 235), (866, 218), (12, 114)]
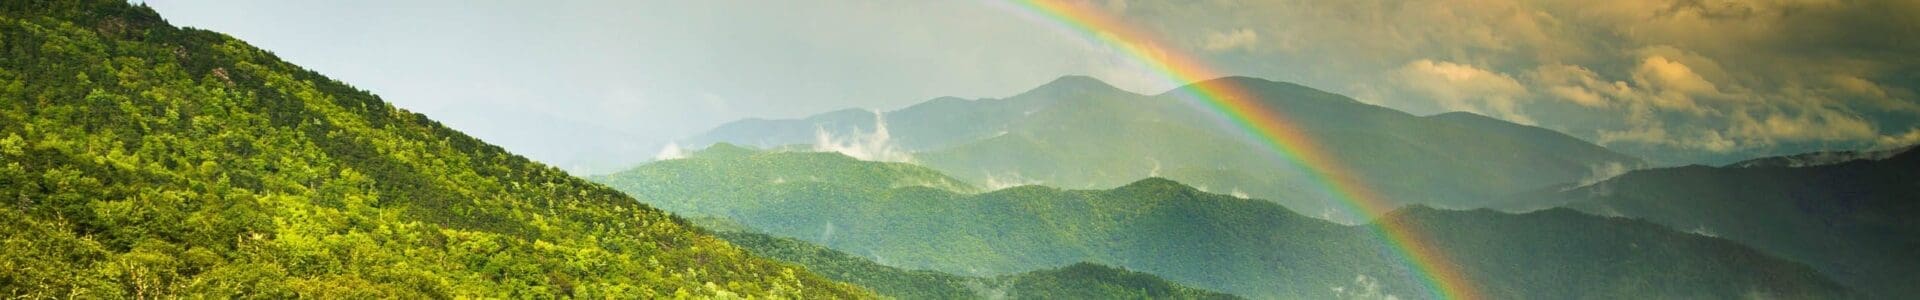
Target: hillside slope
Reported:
[(1077, 281), (1854, 220), (1247, 247), (140, 160)]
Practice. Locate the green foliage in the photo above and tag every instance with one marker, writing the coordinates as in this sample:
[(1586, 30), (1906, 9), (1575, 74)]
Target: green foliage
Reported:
[(1079, 281), (140, 160), (1247, 247), (726, 171)]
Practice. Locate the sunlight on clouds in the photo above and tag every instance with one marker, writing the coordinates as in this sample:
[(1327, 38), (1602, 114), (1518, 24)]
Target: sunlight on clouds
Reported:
[(1465, 88), (1238, 39)]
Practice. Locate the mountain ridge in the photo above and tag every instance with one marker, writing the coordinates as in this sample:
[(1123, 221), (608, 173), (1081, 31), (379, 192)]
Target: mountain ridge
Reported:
[(1249, 247), (1847, 219), (1077, 132)]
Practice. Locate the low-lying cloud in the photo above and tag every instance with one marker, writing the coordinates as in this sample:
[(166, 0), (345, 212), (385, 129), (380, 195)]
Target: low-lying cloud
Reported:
[(870, 146)]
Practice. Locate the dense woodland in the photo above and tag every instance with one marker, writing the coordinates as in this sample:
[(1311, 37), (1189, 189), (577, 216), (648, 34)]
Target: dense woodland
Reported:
[(1077, 281), (141, 160)]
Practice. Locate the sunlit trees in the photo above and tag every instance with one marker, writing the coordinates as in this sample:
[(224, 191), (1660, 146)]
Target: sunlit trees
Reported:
[(139, 160)]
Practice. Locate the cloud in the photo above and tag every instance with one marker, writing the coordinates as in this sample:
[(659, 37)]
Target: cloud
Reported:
[(1676, 83), (1461, 87), (1819, 125), (1238, 39), (871, 146), (671, 152), (1911, 137), (997, 182), (1577, 85), (1735, 77), (1600, 172)]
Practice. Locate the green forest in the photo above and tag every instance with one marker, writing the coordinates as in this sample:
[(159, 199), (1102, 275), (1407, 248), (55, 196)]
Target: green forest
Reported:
[(1077, 281), (142, 160), (907, 216)]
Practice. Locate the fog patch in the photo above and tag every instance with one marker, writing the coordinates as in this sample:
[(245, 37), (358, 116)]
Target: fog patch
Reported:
[(1363, 288), (1001, 181), (1237, 193), (1155, 172), (987, 290), (1601, 172), (671, 152), (870, 146), (1702, 230), (826, 234)]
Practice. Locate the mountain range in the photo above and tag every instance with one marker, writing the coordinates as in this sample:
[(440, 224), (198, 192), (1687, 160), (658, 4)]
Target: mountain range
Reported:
[(910, 217), (1079, 132), (1850, 218)]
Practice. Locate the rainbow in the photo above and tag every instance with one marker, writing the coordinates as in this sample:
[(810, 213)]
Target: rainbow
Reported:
[(1443, 279)]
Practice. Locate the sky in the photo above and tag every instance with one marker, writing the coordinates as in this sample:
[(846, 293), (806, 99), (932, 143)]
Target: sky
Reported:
[(593, 86)]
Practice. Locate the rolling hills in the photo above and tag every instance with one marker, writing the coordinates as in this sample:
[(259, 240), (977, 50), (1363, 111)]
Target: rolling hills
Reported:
[(1247, 247), (1849, 218), (1077, 281), (1079, 132)]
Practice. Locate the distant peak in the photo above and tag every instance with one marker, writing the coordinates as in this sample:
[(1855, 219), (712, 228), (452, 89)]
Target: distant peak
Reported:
[(724, 150), (1244, 82), (1075, 83), (1157, 183), (1266, 89)]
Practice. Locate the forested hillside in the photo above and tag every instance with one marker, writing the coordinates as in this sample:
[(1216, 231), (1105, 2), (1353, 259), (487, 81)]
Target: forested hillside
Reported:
[(1848, 215), (1077, 281), (1247, 247), (140, 160)]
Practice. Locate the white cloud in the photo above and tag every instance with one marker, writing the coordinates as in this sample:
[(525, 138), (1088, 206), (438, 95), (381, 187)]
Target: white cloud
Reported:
[(671, 152), (1675, 84), (1461, 87), (997, 182), (1601, 172), (1242, 39), (872, 146)]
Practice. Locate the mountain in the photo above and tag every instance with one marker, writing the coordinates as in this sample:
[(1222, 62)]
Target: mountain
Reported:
[(1819, 158), (1078, 281), (140, 160), (1079, 132), (1852, 220), (1247, 247)]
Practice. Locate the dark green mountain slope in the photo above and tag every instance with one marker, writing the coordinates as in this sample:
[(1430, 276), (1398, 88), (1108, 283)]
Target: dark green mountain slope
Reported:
[(1079, 281), (1078, 132), (1242, 246), (140, 160), (1854, 220)]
